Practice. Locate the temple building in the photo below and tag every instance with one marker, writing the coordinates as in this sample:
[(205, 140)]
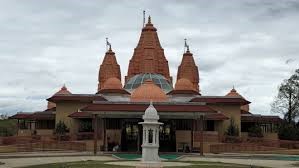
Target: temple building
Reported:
[(113, 113)]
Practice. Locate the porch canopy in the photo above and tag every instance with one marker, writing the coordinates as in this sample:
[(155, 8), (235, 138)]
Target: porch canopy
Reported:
[(136, 110), (260, 118)]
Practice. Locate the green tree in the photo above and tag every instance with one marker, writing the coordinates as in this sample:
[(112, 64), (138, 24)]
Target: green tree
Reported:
[(288, 131), (287, 100)]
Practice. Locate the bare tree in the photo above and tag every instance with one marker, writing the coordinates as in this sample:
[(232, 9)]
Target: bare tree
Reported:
[(287, 100)]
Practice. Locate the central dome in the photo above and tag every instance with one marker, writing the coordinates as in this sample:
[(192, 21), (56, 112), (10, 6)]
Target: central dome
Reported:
[(139, 79), (148, 92)]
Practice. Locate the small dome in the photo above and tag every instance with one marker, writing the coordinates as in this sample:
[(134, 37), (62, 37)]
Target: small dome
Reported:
[(63, 91), (112, 83), (151, 113), (148, 91), (183, 84)]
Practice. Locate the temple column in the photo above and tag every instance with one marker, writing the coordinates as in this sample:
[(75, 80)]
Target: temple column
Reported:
[(105, 135), (192, 135), (201, 124), (95, 134)]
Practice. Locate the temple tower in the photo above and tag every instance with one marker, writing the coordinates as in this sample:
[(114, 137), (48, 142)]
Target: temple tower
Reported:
[(189, 70), (108, 69), (148, 56)]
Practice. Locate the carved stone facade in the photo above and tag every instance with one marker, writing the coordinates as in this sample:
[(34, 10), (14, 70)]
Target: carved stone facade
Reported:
[(189, 70), (108, 69), (148, 56)]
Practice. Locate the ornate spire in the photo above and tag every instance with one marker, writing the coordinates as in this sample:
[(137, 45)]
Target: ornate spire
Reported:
[(148, 56), (109, 68), (188, 69)]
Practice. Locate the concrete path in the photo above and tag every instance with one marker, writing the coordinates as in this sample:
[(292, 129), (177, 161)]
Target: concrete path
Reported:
[(256, 162), (19, 162), (35, 158)]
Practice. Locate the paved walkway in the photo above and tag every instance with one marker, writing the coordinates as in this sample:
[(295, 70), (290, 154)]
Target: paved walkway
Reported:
[(18, 162), (256, 162), (35, 158)]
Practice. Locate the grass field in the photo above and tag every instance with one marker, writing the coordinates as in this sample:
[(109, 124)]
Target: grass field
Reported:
[(101, 164)]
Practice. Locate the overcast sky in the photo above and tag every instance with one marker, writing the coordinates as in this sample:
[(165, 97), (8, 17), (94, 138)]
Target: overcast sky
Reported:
[(252, 45)]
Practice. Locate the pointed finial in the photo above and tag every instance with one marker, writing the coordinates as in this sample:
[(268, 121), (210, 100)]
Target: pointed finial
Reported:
[(63, 87), (233, 90), (108, 45), (151, 102), (149, 19), (186, 46)]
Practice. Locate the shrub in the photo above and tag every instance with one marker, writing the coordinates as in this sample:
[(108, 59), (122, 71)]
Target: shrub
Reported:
[(61, 129), (255, 131), (232, 129)]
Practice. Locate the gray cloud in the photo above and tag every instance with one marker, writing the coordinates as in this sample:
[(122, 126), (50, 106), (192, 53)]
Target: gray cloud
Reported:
[(45, 44)]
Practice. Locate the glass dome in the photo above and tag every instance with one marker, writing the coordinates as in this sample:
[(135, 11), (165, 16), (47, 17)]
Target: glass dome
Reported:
[(158, 79)]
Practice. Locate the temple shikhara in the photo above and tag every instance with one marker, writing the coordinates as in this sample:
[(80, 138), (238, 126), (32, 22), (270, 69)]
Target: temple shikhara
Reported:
[(110, 117)]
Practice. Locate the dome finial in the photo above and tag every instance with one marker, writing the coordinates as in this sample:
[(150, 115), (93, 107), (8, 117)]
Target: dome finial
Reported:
[(149, 21)]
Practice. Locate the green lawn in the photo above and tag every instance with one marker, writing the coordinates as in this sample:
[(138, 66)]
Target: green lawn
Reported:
[(97, 164)]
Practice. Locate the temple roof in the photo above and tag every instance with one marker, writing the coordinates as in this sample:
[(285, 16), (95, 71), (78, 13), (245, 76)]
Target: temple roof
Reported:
[(62, 91), (141, 107), (109, 68), (77, 97), (148, 91), (220, 100), (209, 116), (260, 118), (188, 70), (234, 93), (148, 56)]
